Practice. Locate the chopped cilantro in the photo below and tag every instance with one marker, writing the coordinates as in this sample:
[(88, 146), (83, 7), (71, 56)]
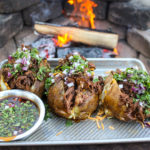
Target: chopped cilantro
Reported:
[(48, 83), (8, 66), (76, 58), (20, 54), (135, 100), (119, 77), (18, 67), (95, 80), (69, 123), (147, 112), (76, 63), (141, 80), (34, 51), (64, 67), (41, 73), (47, 112)]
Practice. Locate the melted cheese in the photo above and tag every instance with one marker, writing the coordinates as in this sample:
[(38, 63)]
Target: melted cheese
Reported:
[(98, 118), (59, 133)]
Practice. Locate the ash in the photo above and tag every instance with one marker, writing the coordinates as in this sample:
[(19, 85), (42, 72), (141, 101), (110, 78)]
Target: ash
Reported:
[(46, 47)]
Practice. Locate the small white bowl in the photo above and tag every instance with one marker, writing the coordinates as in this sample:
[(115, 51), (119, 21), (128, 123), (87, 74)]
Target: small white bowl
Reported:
[(29, 96)]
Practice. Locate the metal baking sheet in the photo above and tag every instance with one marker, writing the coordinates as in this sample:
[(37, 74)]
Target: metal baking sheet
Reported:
[(86, 132)]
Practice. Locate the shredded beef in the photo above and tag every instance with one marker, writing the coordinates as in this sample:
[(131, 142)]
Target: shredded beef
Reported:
[(5, 74), (30, 76), (68, 96), (91, 65), (21, 81), (134, 111), (81, 83), (82, 96), (34, 64), (25, 81), (127, 88), (11, 61), (12, 83)]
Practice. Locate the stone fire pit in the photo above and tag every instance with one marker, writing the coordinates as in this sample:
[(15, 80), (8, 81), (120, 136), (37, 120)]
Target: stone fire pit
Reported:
[(130, 19)]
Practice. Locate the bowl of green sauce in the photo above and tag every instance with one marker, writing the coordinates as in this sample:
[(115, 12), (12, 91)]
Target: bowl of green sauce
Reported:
[(21, 113)]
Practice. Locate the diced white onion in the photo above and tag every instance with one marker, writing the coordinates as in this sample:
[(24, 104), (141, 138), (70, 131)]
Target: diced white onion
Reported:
[(15, 65), (76, 64), (15, 132), (28, 63), (18, 61), (88, 73), (24, 48), (82, 67), (53, 80), (141, 104), (51, 74), (65, 78), (71, 57), (120, 86), (57, 75), (72, 71), (70, 84), (65, 72), (6, 107)]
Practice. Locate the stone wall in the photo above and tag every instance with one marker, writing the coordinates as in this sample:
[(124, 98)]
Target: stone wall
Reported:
[(130, 19), (14, 14)]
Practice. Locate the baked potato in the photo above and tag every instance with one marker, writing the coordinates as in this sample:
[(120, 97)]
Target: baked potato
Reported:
[(25, 70), (72, 90), (126, 95)]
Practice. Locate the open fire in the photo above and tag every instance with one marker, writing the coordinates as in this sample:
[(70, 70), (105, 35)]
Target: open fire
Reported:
[(62, 40), (66, 36), (85, 8)]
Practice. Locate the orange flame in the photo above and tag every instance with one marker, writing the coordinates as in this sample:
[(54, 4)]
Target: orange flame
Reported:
[(85, 7), (62, 40), (115, 51), (71, 2)]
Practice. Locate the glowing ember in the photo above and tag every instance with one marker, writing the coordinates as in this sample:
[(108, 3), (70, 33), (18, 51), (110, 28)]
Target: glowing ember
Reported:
[(62, 40), (85, 7)]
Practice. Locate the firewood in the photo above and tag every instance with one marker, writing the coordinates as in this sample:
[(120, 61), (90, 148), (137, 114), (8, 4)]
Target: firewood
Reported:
[(89, 37)]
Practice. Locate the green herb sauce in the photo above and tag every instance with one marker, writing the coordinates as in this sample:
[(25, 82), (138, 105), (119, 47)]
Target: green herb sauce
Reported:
[(17, 115)]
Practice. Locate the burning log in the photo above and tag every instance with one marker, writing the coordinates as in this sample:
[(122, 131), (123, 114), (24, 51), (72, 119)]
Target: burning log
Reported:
[(89, 37)]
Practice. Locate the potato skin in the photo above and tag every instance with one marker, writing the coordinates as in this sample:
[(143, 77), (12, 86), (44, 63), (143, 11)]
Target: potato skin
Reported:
[(56, 99), (111, 100), (88, 107), (77, 112), (38, 88)]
